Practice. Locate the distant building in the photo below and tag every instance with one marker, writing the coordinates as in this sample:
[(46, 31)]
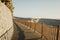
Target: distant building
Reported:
[(35, 20)]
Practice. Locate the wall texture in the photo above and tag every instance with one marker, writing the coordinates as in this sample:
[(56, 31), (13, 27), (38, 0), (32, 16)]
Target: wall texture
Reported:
[(6, 23)]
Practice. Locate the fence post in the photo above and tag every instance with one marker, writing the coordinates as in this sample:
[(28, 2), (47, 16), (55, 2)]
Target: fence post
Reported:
[(42, 31), (30, 23), (57, 33)]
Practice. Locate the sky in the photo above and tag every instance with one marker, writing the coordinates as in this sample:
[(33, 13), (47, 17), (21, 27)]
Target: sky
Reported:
[(37, 8)]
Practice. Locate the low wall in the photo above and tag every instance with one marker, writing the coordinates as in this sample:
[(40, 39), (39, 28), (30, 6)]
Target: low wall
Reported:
[(6, 23), (21, 21)]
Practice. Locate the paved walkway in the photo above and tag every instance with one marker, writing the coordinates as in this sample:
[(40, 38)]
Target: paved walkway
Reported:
[(23, 33)]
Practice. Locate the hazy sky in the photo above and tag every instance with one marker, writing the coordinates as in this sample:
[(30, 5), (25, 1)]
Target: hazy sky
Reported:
[(37, 8)]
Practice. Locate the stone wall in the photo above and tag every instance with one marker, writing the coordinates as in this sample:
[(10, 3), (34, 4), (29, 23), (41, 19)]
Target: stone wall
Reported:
[(6, 23)]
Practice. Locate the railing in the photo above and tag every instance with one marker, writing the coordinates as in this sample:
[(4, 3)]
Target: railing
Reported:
[(47, 32)]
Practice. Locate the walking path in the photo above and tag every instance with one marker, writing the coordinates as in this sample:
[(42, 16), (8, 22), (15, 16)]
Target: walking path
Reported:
[(23, 33)]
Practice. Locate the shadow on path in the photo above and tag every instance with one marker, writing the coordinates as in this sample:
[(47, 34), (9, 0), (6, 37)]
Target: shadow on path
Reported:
[(18, 33), (23, 33)]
